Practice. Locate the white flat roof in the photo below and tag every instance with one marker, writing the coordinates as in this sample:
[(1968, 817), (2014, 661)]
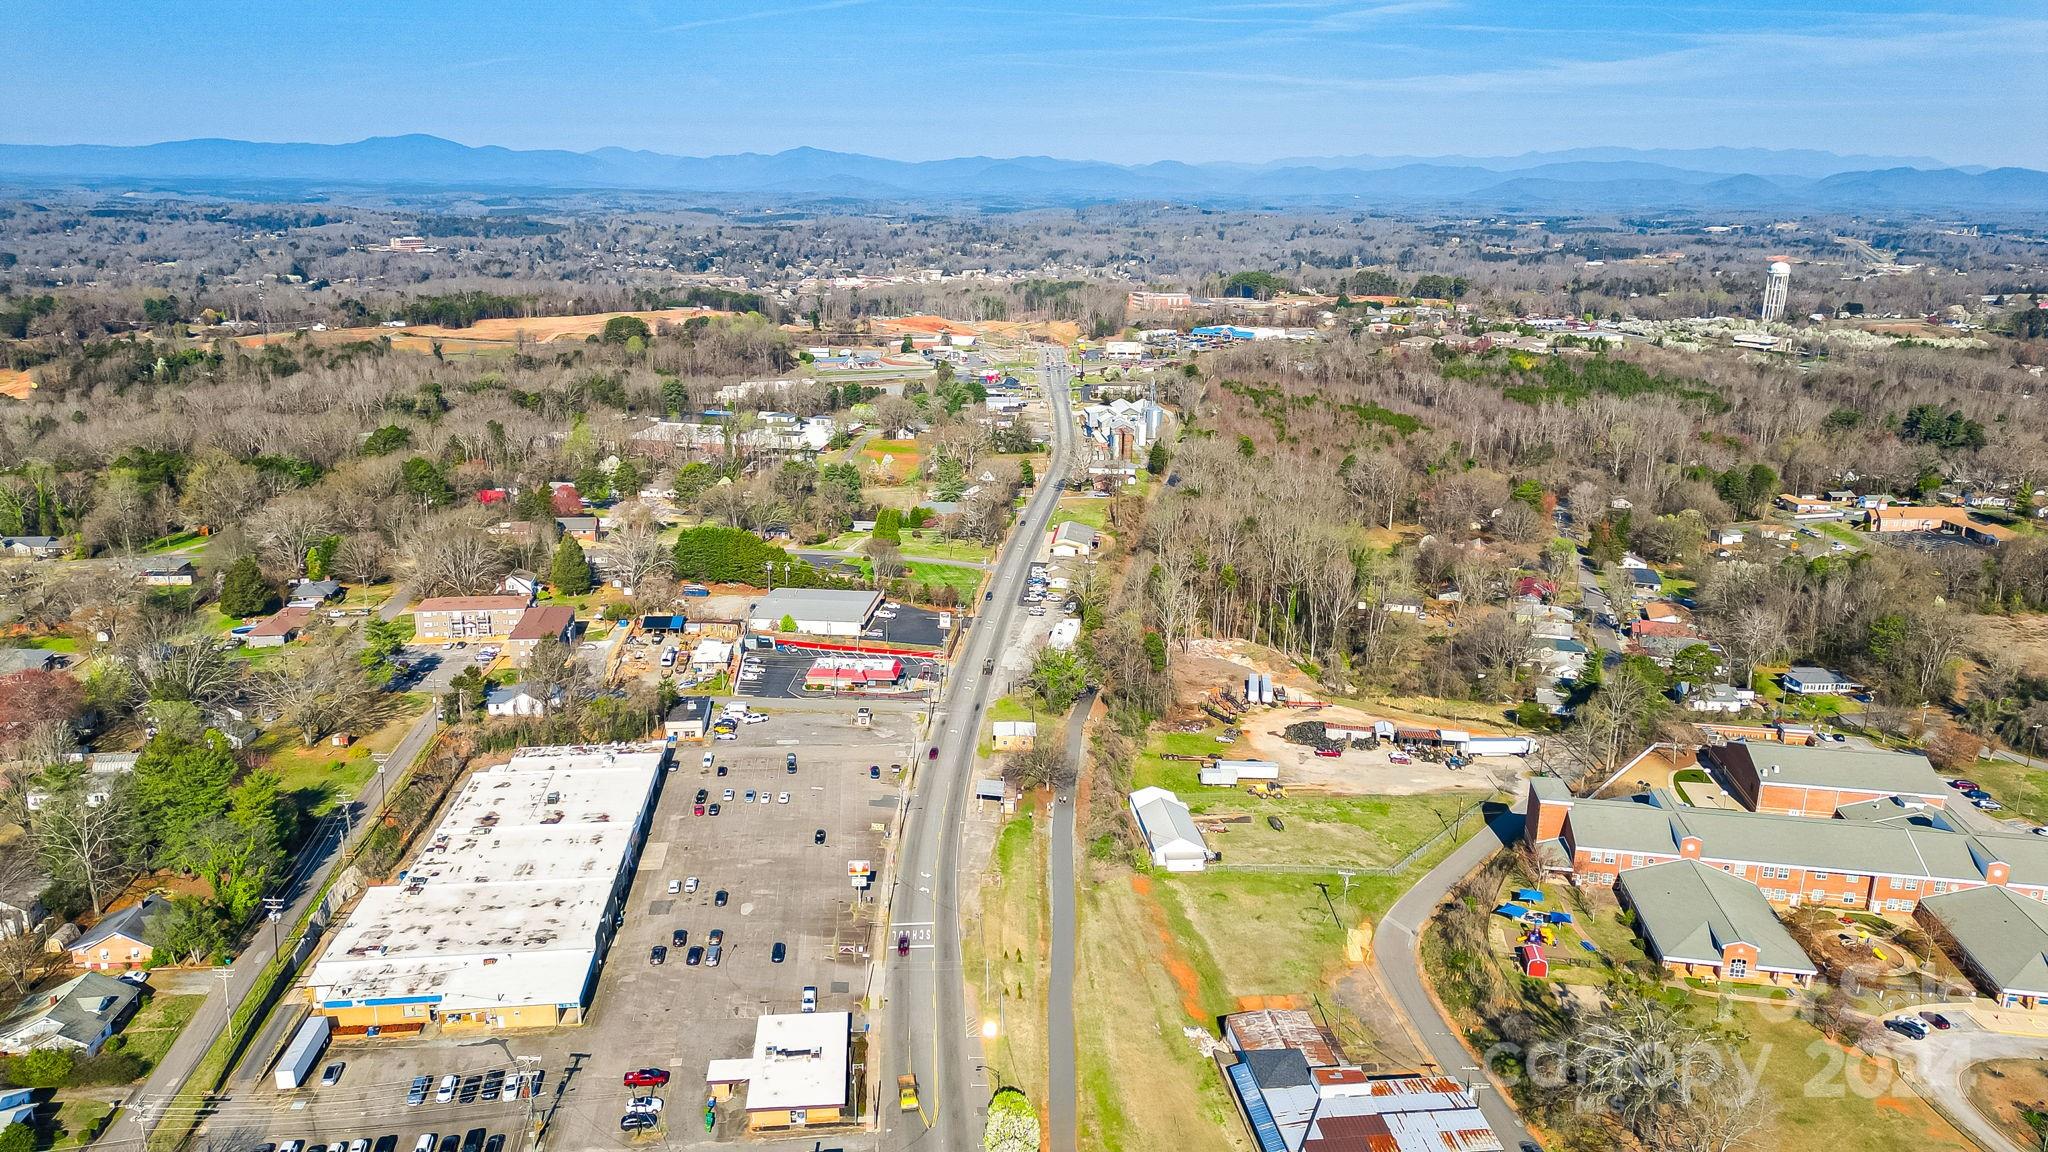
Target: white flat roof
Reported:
[(799, 1061), (505, 902)]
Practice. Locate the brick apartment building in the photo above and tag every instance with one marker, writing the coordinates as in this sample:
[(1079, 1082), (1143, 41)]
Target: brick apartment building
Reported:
[(1791, 780), (1880, 856), (443, 618)]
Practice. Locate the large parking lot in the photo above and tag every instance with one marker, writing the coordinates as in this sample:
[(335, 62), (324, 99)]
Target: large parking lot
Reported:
[(780, 886)]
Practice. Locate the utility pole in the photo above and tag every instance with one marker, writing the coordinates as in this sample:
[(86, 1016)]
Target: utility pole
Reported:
[(273, 911), (226, 975)]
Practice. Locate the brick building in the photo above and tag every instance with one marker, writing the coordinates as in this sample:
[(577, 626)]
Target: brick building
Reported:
[(1794, 781)]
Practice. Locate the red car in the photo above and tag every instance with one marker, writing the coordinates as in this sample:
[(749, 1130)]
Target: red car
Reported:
[(647, 1078), (903, 944), (1329, 753)]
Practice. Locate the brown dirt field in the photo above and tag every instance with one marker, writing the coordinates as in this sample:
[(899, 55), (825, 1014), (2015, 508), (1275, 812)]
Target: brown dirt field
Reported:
[(16, 383), (2000, 1088), (503, 331), (2022, 638), (1002, 331)]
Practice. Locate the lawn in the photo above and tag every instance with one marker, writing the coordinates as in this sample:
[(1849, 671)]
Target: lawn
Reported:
[(1849, 1101), (320, 776), (1090, 510), (171, 543), (55, 643), (903, 459), (76, 1123), (1004, 955), (964, 581), (2023, 790), (149, 1035), (914, 547)]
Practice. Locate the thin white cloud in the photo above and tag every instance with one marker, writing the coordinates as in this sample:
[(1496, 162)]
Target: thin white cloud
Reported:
[(769, 14)]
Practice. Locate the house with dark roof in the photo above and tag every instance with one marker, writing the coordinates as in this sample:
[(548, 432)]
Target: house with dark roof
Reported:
[(120, 940), (313, 593), (1699, 921), (538, 623), (32, 547), (78, 1016), (167, 573), (1997, 937)]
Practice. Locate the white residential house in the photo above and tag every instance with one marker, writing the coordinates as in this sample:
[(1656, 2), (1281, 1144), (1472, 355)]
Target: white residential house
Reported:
[(1171, 837), (514, 701), (1718, 698), (1071, 539)]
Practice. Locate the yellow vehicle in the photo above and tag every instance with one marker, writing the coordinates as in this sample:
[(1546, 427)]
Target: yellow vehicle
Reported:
[(906, 1092), (1265, 791)]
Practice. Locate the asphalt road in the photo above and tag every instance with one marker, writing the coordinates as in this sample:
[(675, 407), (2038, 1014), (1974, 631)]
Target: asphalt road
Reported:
[(158, 1093), (926, 1020), (1059, 1002), (1400, 966)]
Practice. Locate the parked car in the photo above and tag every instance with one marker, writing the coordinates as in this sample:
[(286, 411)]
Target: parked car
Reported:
[(728, 796), (717, 936), (718, 898), (810, 998), (690, 884), (496, 1143), (1976, 794), (1908, 1027), (678, 938), (359, 1144), (1962, 785), (777, 953), (637, 1122), (818, 837), (750, 796), (1939, 1021), (724, 736), (1988, 805), (780, 797), (644, 1104), (417, 1094), (446, 1091), (703, 794), (646, 1078), (711, 811), (675, 887), (657, 955), (425, 1143), (471, 1085), (331, 1075), (903, 944), (694, 956), (756, 718), (790, 763), (874, 771)]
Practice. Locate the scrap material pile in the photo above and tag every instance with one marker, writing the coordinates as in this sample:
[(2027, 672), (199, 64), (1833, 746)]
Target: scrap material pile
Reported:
[(1319, 736)]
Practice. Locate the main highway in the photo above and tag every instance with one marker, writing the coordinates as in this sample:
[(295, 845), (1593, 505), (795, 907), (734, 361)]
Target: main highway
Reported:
[(924, 1022)]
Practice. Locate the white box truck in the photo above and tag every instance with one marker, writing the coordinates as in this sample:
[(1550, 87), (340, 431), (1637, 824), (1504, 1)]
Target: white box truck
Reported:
[(301, 1054)]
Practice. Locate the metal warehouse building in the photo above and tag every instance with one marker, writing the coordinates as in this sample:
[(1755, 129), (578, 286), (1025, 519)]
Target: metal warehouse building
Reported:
[(815, 611)]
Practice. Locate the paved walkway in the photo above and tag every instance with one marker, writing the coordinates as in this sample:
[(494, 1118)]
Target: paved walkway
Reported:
[(1396, 953), (1060, 1079)]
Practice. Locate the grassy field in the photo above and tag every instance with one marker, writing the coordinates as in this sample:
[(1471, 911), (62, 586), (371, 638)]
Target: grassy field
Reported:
[(1087, 510), (1004, 955), (964, 581), (914, 547), (320, 776), (1333, 831), (1847, 1100), (148, 1036), (1211, 943), (2023, 790)]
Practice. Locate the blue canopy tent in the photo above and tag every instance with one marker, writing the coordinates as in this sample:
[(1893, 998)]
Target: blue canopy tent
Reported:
[(1511, 911), (1560, 917), (1529, 896)]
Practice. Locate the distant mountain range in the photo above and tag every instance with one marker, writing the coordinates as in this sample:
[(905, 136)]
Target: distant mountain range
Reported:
[(1585, 179)]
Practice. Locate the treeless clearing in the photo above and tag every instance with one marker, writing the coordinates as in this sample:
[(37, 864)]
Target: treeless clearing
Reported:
[(2022, 638), (507, 330), (1057, 331), (16, 383)]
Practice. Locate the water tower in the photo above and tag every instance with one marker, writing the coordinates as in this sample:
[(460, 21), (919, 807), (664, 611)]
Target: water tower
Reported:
[(1775, 288)]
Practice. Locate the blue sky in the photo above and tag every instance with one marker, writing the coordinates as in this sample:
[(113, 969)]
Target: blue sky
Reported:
[(1961, 80)]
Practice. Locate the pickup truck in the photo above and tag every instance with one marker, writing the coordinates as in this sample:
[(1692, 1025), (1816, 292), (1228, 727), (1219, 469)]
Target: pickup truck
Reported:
[(906, 1092), (988, 666)]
